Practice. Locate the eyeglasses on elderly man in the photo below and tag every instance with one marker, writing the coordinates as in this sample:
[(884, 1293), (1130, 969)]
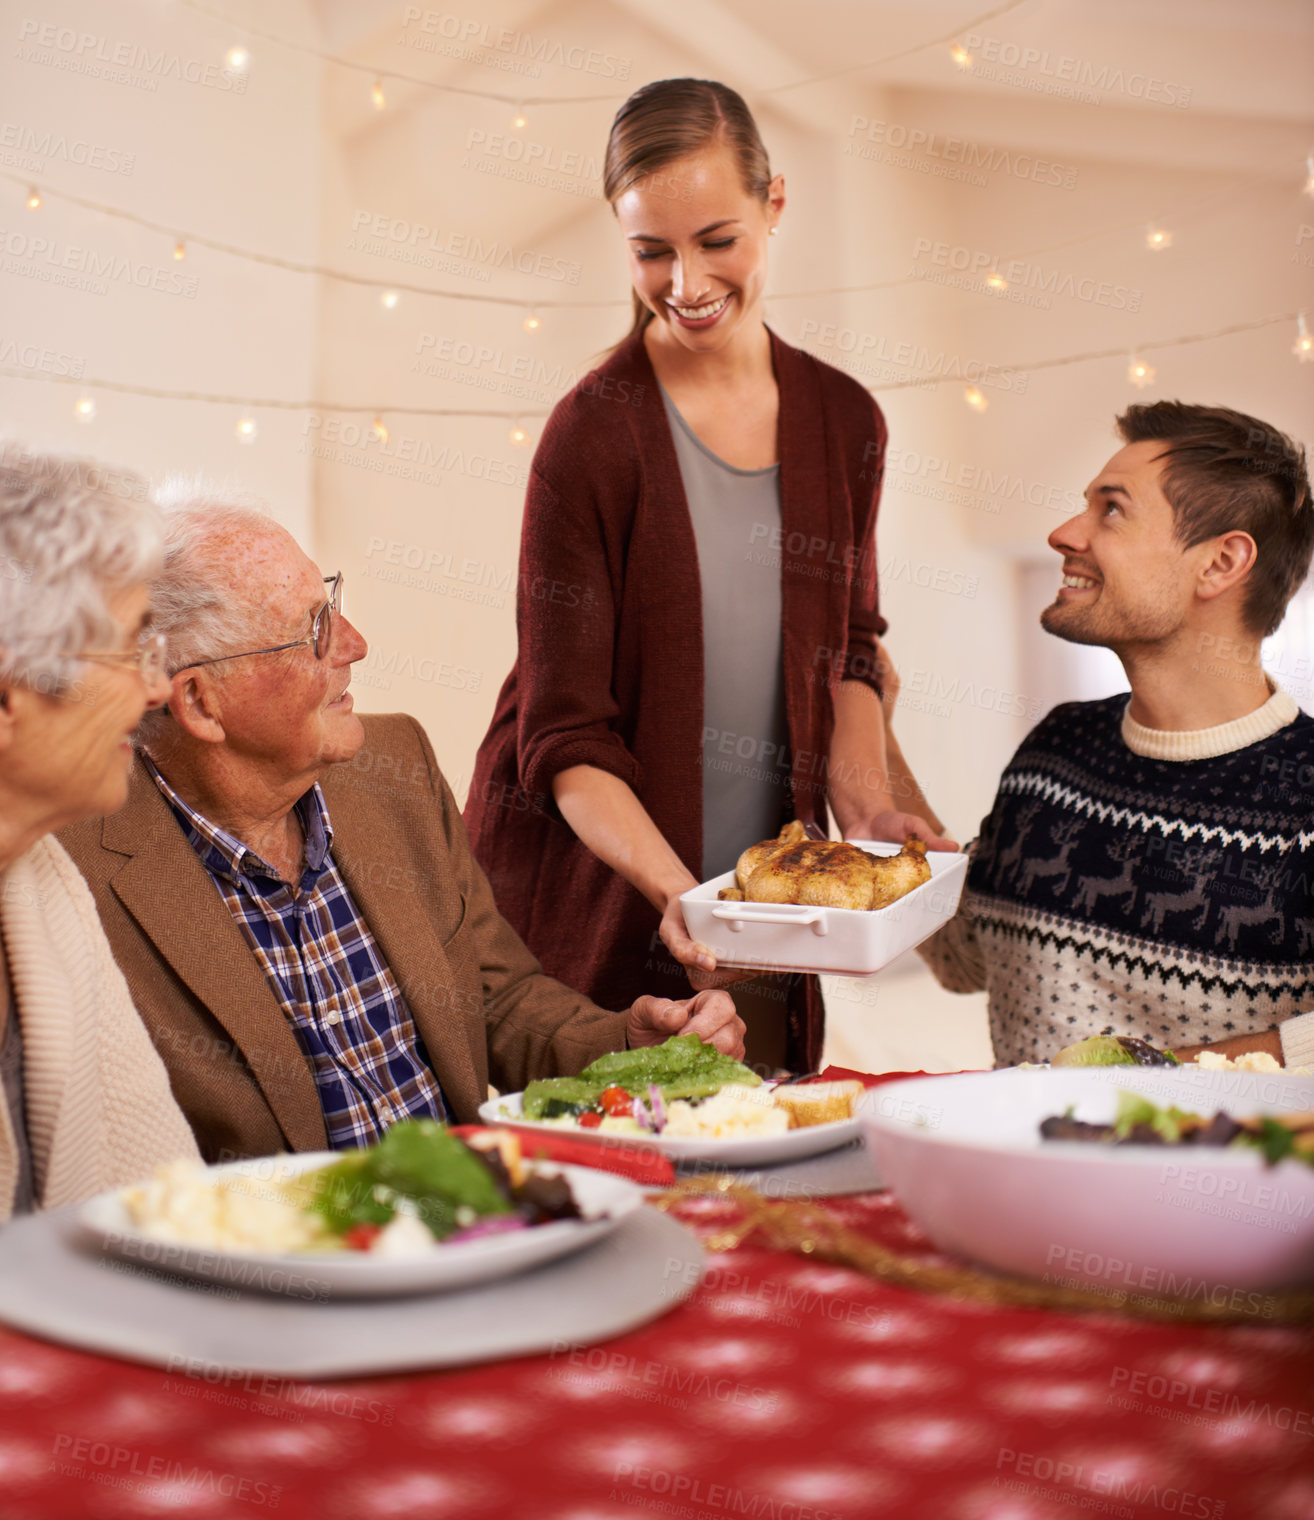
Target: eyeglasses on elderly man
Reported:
[(80, 664), (321, 632)]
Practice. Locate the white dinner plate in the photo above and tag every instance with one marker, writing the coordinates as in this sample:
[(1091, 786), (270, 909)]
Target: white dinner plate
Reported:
[(604, 1199), (753, 1150), (965, 1156)]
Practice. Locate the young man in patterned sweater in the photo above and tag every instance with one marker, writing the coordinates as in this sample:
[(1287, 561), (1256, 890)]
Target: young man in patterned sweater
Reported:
[(1148, 865)]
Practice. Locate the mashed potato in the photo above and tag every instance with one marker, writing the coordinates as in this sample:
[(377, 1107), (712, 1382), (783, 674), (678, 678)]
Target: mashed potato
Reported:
[(233, 1213), (733, 1113), (1252, 1060)]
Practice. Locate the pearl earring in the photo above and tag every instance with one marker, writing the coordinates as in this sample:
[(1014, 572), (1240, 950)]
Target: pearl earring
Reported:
[(771, 231)]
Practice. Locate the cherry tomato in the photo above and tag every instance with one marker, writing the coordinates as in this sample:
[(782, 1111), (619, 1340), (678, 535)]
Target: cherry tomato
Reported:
[(590, 1120), (361, 1237), (617, 1102)]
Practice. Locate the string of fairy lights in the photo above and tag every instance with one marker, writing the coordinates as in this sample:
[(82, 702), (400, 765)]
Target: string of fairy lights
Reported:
[(1158, 238)]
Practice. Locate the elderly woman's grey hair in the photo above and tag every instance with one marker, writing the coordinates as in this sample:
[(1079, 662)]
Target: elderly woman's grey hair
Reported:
[(73, 533), (192, 604)]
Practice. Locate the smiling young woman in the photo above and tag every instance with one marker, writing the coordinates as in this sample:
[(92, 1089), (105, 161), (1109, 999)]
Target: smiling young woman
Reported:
[(697, 610)]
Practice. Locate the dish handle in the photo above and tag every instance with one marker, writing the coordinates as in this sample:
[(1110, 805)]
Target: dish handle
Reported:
[(739, 914)]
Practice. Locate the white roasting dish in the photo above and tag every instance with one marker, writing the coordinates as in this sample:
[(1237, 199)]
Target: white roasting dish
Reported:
[(838, 941)]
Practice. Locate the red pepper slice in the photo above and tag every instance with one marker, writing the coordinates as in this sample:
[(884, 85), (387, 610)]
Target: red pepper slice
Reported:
[(361, 1237)]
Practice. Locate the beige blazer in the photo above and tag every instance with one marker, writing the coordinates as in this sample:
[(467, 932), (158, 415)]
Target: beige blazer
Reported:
[(99, 1110), (481, 1004)]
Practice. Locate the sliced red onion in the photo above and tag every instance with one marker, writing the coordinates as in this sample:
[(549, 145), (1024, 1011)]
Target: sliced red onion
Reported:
[(495, 1224), (641, 1115), (658, 1108)]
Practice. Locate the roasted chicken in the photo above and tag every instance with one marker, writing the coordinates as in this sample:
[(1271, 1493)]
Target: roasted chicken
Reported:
[(826, 873)]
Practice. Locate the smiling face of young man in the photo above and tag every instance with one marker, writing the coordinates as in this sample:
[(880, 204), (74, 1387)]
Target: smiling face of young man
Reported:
[(1127, 582), (697, 243)]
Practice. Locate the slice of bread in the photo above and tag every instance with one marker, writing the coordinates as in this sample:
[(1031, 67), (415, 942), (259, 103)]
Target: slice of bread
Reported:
[(818, 1102)]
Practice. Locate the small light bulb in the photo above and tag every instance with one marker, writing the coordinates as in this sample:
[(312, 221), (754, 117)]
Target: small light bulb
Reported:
[(1308, 187), (84, 409), (1140, 373), (518, 436), (247, 430), (1157, 239), (520, 121), (180, 250), (377, 96), (389, 299), (996, 281), (379, 429), (960, 56), (1303, 347), (238, 58), (976, 398), (532, 322), (34, 199)]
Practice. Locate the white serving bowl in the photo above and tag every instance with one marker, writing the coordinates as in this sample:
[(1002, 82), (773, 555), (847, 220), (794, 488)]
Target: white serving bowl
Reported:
[(965, 1157)]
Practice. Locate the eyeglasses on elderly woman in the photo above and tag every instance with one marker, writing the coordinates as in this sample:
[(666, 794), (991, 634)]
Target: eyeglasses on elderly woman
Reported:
[(319, 638), (147, 656)]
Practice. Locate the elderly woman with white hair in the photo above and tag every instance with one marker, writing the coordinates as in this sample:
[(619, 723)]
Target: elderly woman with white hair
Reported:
[(84, 1098)]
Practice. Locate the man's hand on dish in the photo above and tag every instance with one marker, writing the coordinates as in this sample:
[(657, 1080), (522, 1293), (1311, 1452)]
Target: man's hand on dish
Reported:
[(897, 827), (709, 1015), (693, 955)]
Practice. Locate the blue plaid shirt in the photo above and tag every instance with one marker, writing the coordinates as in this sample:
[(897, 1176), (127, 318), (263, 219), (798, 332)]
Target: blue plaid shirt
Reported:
[(329, 976)]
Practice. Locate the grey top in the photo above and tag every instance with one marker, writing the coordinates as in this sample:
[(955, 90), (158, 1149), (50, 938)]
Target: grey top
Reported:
[(11, 1086), (737, 527)]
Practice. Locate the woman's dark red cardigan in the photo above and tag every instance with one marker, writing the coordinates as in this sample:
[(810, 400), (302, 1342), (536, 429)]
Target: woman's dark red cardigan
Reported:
[(610, 664)]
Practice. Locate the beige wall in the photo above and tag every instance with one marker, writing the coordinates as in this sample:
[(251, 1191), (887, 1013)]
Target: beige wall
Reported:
[(126, 84)]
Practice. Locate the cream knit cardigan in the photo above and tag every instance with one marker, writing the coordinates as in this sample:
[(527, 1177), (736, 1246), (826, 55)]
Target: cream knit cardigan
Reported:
[(99, 1109)]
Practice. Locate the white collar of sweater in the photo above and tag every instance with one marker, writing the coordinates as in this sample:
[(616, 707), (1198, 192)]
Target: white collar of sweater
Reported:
[(1208, 743)]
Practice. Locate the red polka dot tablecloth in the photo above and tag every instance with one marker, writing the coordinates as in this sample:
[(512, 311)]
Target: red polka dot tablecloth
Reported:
[(784, 1389)]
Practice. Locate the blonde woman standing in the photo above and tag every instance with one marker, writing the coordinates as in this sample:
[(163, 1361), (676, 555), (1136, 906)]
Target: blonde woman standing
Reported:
[(697, 609)]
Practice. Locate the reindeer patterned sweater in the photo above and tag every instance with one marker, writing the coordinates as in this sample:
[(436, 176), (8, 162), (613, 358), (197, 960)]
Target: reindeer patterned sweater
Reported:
[(1129, 881)]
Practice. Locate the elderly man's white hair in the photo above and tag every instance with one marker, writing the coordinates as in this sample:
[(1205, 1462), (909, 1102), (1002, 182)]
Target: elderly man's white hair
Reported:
[(192, 599), (73, 533), (191, 603)]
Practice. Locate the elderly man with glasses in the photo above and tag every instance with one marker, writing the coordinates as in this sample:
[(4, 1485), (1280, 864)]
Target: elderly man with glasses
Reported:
[(289, 890)]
